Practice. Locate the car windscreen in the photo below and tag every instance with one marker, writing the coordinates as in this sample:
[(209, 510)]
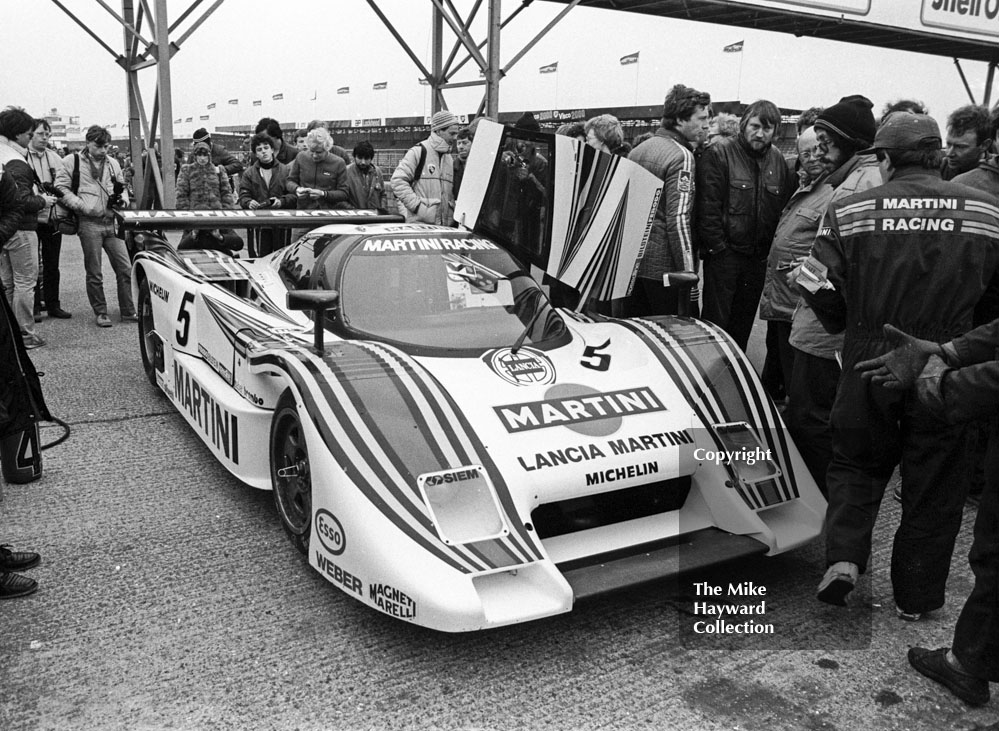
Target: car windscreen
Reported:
[(446, 290)]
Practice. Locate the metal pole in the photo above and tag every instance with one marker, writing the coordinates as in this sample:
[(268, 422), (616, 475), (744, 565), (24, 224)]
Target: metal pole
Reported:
[(165, 104), (988, 83), (131, 82), (437, 59), (491, 98)]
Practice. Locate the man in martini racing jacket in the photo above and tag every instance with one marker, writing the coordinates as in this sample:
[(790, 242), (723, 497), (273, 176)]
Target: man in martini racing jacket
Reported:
[(917, 253)]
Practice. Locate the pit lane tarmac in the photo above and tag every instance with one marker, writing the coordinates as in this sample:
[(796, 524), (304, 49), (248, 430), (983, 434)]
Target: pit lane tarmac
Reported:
[(170, 599)]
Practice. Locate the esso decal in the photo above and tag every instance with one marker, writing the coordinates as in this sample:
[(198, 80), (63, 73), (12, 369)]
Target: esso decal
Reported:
[(330, 532)]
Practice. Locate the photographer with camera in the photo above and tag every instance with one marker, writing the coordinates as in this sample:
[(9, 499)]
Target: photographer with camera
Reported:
[(45, 162), (100, 191)]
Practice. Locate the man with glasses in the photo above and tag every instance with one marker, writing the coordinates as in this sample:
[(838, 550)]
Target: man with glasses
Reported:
[(45, 162), (100, 191), (917, 253), (841, 131), (796, 230)]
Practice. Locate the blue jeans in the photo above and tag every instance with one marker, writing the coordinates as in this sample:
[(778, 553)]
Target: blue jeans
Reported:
[(97, 235), (19, 274)]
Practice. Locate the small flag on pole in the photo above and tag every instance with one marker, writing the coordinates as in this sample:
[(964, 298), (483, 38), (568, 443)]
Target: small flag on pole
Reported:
[(189, 119), (234, 101), (257, 102), (278, 97), (734, 47), (204, 117), (212, 105), (549, 69), (630, 58), (343, 90), (380, 85), (424, 82), (177, 121)]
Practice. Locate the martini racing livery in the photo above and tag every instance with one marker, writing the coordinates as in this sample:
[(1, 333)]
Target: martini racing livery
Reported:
[(443, 444)]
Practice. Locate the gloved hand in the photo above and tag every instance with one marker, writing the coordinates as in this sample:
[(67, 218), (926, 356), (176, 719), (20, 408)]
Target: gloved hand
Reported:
[(899, 368)]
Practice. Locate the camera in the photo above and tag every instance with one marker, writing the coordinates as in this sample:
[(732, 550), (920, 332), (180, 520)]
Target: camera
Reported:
[(116, 200), (512, 160), (51, 189)]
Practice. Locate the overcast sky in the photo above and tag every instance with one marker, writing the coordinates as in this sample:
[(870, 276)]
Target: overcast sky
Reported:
[(251, 49)]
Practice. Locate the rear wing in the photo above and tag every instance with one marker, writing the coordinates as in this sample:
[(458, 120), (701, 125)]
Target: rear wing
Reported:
[(260, 218)]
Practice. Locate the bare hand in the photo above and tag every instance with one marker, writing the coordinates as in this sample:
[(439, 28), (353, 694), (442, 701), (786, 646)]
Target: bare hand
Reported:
[(315, 194), (254, 205)]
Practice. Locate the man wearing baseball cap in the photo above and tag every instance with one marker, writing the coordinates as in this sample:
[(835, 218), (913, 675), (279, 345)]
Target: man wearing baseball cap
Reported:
[(917, 253), (424, 179)]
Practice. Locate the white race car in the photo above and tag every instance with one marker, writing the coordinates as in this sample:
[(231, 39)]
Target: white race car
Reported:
[(446, 446)]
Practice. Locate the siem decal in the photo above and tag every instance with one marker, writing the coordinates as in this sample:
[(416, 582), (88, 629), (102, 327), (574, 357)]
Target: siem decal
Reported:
[(433, 480), (330, 532), (526, 367), (577, 410), (219, 426), (392, 601)]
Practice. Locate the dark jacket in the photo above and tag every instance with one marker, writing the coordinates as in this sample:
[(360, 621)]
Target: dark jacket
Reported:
[(17, 168), (11, 207), (985, 177), (252, 187), (221, 156), (365, 190), (740, 195), (917, 252), (328, 175)]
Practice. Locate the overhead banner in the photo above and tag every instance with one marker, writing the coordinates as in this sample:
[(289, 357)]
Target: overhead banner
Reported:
[(975, 20)]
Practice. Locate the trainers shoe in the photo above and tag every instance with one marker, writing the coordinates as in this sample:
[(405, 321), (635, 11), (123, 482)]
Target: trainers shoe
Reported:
[(32, 341), (103, 321), (17, 560), (15, 585), (839, 581), (908, 616), (934, 665), (130, 318), (60, 313)]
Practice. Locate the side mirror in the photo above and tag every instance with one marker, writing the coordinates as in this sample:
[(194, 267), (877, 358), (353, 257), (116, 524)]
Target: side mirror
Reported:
[(685, 281), (317, 300)]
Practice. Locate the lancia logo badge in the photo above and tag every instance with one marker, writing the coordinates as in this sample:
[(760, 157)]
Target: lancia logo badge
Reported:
[(526, 367)]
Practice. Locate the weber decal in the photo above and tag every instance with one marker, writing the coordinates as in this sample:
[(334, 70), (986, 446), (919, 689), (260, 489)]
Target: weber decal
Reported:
[(338, 576), (330, 532), (576, 411), (526, 367), (219, 426)]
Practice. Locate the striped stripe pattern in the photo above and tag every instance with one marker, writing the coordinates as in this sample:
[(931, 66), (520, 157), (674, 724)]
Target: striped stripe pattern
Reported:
[(685, 207), (385, 420), (875, 214), (721, 386)]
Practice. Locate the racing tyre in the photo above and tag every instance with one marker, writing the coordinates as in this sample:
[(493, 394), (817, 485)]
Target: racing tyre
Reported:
[(147, 341), (291, 475)]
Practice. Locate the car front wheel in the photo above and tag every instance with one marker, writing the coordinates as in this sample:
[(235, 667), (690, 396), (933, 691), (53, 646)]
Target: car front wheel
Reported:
[(291, 476)]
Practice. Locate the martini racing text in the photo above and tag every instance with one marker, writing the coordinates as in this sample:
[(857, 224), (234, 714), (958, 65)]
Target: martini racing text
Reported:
[(575, 409), (219, 426)]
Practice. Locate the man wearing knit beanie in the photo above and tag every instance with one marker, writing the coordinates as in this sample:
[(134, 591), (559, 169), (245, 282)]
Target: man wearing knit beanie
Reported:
[(841, 131), (423, 182), (220, 155)]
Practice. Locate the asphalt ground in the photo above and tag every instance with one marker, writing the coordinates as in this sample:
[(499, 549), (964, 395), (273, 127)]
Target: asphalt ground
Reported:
[(170, 599)]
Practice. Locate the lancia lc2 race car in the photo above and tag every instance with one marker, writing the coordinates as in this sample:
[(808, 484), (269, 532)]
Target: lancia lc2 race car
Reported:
[(442, 443)]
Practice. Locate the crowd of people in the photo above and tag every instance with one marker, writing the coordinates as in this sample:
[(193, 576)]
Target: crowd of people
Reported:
[(872, 255)]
